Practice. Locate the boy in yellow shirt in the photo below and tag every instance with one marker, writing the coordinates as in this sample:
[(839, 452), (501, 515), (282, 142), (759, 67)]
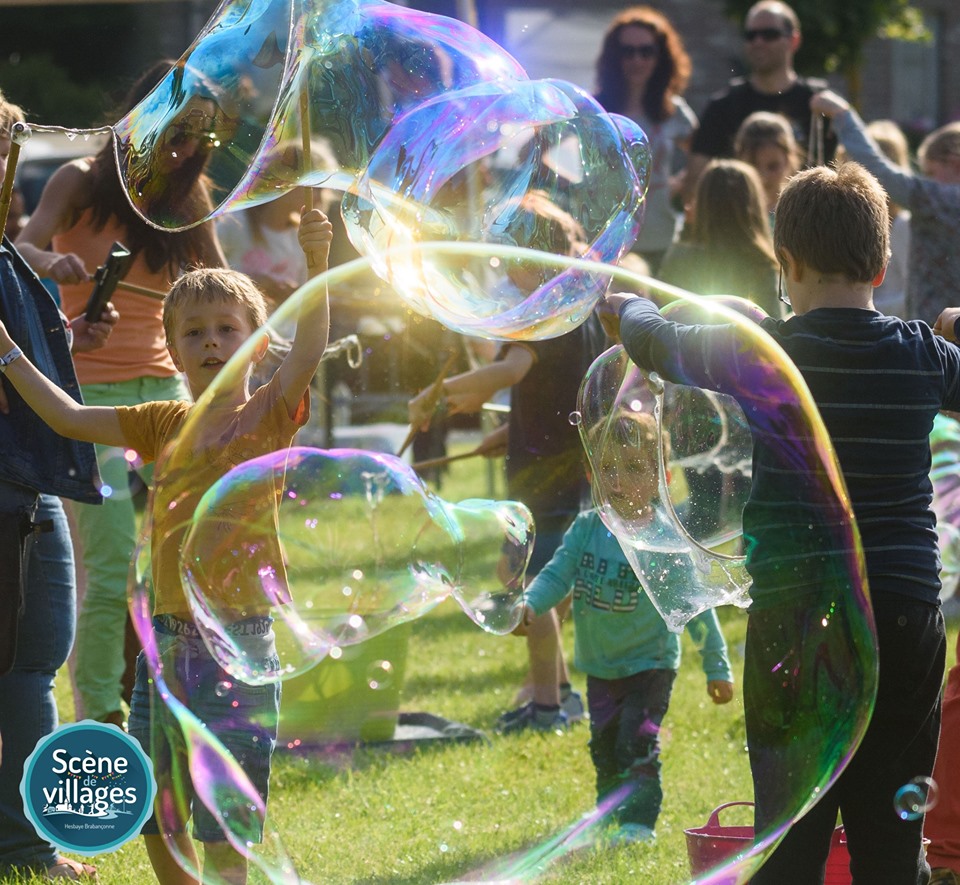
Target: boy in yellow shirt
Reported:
[(208, 315)]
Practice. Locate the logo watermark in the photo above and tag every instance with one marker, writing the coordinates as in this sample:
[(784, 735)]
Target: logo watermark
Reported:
[(88, 787)]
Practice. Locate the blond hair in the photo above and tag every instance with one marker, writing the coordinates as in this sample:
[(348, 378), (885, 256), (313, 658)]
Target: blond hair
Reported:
[(730, 210), (891, 140), (835, 221), (213, 284), (941, 144), (763, 128), (636, 429), (9, 114)]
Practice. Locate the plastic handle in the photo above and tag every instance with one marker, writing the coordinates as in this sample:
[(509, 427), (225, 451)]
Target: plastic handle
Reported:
[(714, 819)]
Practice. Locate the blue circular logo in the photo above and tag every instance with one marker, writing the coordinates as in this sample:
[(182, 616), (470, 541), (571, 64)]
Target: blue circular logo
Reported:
[(88, 787)]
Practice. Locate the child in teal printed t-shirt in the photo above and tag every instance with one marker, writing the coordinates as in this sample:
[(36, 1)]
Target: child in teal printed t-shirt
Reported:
[(622, 643)]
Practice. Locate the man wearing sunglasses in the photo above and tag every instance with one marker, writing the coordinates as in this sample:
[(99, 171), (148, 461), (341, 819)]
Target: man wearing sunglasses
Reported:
[(771, 38)]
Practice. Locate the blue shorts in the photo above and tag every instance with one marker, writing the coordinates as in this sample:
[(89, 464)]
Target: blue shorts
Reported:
[(243, 718)]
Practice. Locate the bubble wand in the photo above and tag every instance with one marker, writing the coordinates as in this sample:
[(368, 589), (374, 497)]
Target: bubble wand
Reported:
[(433, 399), (19, 133), (446, 459), (307, 164)]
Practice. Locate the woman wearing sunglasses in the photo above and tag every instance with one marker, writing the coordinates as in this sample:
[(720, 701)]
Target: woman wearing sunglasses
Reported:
[(641, 72)]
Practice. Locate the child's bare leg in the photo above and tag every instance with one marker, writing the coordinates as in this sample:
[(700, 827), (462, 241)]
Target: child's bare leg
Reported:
[(543, 645), (540, 673), (165, 866), (563, 612), (222, 863)]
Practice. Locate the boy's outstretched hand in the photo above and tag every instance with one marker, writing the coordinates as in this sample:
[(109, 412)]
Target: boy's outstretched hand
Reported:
[(946, 324), (829, 104), (315, 235), (608, 312), (526, 616), (720, 691)]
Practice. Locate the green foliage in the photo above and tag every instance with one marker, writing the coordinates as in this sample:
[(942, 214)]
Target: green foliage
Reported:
[(834, 33), (49, 94)]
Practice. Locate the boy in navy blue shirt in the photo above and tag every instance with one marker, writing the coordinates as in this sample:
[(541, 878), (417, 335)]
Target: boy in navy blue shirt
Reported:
[(878, 382)]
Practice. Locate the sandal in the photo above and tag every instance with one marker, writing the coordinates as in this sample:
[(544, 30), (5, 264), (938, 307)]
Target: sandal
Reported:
[(72, 870)]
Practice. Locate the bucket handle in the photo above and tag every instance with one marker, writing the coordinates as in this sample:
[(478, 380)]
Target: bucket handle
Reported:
[(714, 819)]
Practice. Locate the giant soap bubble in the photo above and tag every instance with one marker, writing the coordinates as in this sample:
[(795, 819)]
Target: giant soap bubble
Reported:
[(409, 549), (945, 453), (236, 95), (431, 129), (811, 670), (680, 535), (338, 546)]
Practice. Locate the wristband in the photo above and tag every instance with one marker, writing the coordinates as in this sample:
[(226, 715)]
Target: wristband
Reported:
[(10, 357)]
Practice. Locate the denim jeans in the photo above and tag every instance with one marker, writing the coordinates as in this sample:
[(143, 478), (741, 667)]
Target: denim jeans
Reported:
[(242, 717), (28, 710), (625, 719)]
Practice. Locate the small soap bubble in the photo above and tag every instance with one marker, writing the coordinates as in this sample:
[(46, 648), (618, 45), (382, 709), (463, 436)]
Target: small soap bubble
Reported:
[(380, 675), (575, 418), (223, 688), (915, 799)]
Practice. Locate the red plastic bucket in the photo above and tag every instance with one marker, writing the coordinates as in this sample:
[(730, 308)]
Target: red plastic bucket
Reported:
[(713, 843)]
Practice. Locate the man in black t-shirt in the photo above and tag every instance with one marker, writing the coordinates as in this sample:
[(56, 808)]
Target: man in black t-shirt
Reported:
[(771, 39)]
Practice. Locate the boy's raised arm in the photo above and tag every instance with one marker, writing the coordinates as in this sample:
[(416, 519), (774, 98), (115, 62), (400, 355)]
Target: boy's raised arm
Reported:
[(313, 323), (96, 424)]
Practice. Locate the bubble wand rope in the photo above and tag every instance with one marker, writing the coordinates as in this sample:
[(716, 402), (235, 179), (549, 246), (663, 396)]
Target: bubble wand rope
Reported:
[(433, 398), (6, 190)]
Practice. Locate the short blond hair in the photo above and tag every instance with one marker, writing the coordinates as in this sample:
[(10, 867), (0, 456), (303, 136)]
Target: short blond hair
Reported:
[(213, 284)]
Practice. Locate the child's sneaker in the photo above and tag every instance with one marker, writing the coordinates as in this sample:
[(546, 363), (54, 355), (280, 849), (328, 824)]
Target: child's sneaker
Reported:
[(572, 707), (529, 716), (630, 834)]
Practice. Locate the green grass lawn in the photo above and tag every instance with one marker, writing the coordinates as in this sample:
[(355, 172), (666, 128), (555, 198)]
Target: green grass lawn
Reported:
[(437, 814)]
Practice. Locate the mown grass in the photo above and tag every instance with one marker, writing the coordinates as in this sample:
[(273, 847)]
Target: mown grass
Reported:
[(443, 813)]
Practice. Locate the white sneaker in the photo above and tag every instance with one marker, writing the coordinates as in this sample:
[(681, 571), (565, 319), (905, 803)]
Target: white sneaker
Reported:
[(572, 706)]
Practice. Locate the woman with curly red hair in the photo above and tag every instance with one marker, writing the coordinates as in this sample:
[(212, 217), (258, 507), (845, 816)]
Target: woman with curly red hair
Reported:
[(642, 71)]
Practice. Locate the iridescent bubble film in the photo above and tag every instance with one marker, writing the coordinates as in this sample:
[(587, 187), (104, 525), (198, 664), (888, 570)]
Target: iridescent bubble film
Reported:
[(307, 555), (432, 131), (810, 666), (945, 454), (671, 469), (336, 547), (534, 164), (261, 73)]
